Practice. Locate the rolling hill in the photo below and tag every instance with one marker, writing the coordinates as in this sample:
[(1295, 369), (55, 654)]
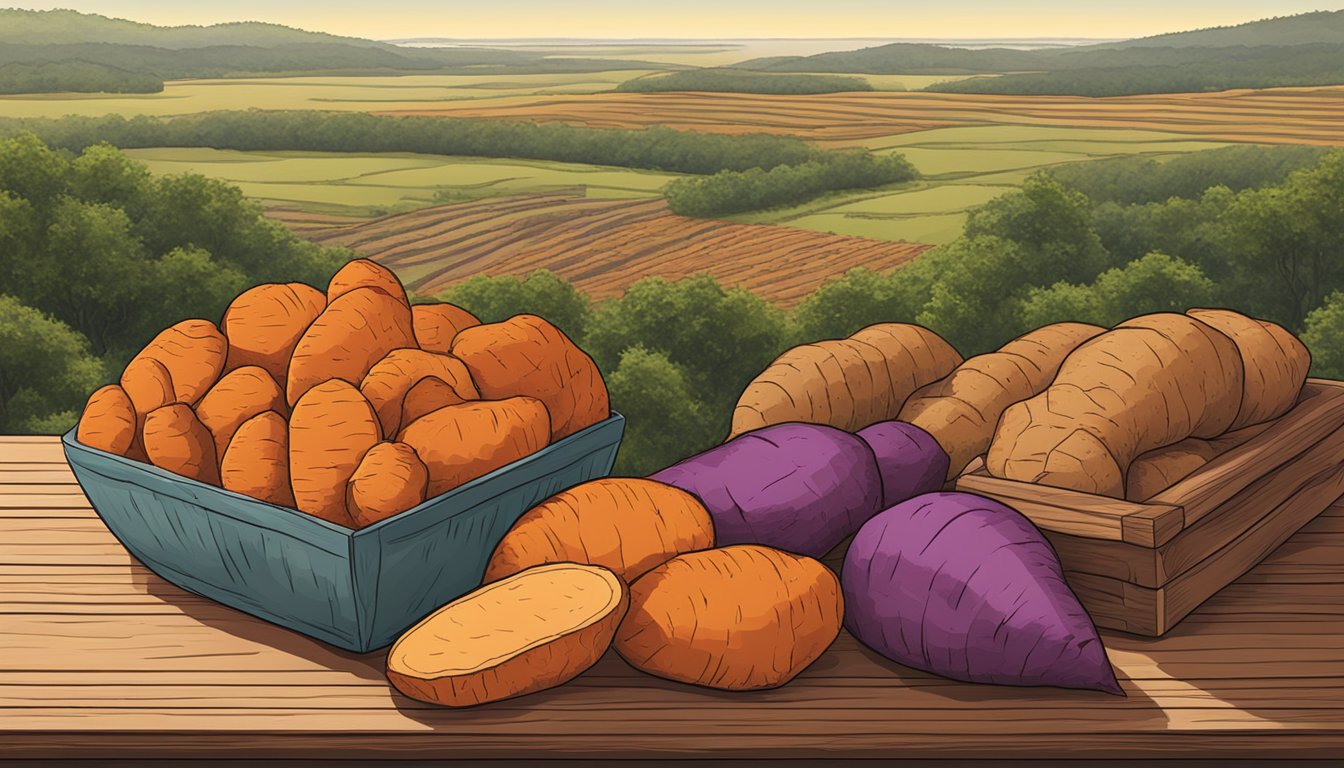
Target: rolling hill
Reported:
[(1301, 29)]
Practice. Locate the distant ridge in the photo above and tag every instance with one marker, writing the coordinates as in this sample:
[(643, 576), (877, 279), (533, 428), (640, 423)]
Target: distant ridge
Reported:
[(1301, 29)]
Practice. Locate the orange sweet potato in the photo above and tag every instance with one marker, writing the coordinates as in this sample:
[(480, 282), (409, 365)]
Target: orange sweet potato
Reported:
[(256, 461), (177, 441), (241, 394), (735, 618), (462, 442), (362, 273), (436, 325), (330, 430), (628, 525), (391, 378), (193, 352), (265, 323), (531, 631), (525, 355), (108, 422), (356, 330), (389, 479), (428, 395)]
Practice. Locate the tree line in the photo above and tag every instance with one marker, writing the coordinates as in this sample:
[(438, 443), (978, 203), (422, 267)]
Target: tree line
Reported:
[(730, 80), (754, 189)]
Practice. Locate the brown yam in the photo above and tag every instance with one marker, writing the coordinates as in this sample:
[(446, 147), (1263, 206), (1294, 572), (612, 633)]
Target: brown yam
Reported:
[(735, 618), (628, 525), (462, 442), (108, 422), (845, 383), (242, 393), (330, 430), (391, 378), (527, 356), (1156, 470), (177, 441), (1153, 381), (264, 324), (194, 353), (357, 330), (436, 325), (256, 461), (1275, 362), (531, 631), (363, 273), (390, 479), (961, 410)]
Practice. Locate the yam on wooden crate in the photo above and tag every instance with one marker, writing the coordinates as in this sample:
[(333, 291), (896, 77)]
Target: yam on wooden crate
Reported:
[(736, 618), (177, 441), (363, 273), (390, 479), (1275, 363), (331, 428), (627, 525), (436, 325), (355, 331), (463, 442), (845, 383), (525, 633), (527, 356), (241, 394), (193, 352), (1151, 382), (390, 379), (256, 461), (966, 587), (264, 324), (962, 409), (108, 421)]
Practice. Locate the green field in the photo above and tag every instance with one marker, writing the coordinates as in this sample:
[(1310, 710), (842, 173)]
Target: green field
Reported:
[(347, 94), (376, 183), (963, 168)]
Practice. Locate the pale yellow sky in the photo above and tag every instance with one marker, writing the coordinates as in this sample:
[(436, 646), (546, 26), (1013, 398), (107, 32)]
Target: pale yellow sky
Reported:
[(712, 18)]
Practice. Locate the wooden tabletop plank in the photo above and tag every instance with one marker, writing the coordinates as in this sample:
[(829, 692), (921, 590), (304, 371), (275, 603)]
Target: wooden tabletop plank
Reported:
[(100, 656)]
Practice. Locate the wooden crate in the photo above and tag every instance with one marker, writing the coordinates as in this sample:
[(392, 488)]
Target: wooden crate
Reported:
[(1141, 567)]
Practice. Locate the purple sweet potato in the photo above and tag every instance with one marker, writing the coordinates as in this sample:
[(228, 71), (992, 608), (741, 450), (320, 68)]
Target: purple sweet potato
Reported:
[(967, 588), (802, 488), (909, 460)]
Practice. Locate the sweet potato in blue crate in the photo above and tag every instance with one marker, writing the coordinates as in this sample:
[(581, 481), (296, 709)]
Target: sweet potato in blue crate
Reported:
[(319, 496)]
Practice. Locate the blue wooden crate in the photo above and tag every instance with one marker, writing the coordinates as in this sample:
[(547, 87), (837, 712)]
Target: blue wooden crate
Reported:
[(358, 590)]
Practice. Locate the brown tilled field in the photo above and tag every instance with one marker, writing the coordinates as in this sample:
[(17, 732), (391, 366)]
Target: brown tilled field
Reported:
[(602, 246), (1247, 115)]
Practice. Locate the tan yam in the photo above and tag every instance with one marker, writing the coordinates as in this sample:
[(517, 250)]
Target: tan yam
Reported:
[(628, 525), (529, 632), (1274, 360), (736, 618)]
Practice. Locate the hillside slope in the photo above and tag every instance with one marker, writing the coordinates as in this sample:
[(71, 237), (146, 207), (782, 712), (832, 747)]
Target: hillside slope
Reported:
[(1305, 28), (602, 246)]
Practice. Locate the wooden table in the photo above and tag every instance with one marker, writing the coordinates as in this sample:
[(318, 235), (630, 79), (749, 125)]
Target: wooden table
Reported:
[(99, 657)]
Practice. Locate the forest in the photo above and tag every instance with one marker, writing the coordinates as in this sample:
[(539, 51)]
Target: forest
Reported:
[(96, 255), (737, 81)]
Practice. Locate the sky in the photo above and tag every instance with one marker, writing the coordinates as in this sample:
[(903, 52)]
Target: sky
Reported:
[(959, 19)]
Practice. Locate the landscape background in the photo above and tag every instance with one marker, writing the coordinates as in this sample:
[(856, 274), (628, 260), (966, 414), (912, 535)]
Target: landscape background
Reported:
[(684, 208)]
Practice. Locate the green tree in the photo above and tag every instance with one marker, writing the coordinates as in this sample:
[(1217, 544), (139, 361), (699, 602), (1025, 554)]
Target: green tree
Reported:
[(31, 170), (666, 422), (976, 293), (46, 370), (1324, 336), (495, 298), (860, 298), (1155, 283), (1051, 226)]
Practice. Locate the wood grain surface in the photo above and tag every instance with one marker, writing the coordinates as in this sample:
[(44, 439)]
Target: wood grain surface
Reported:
[(101, 658)]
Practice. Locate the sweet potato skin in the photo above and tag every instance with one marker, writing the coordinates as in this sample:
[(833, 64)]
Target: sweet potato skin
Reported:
[(108, 422), (177, 441), (737, 618), (356, 330), (363, 273), (627, 525), (390, 479), (265, 323), (256, 461), (388, 382), (331, 428), (241, 394), (527, 356), (436, 325), (462, 442), (193, 352), (511, 671)]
